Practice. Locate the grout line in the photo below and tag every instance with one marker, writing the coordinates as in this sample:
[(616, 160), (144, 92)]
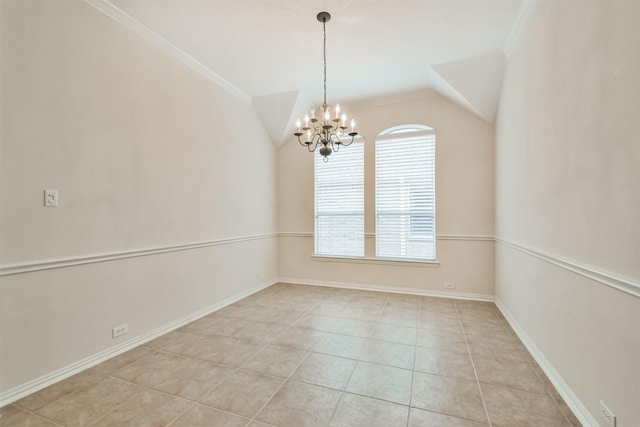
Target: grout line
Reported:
[(181, 414), (292, 371), (473, 365), (358, 360), (415, 356), (37, 414)]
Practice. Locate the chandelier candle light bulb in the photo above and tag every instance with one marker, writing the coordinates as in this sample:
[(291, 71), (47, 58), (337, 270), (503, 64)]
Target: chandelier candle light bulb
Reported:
[(329, 135)]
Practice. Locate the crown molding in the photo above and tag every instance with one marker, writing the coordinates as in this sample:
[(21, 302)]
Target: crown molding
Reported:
[(145, 32)]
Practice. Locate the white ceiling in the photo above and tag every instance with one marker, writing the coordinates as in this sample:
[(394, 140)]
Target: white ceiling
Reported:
[(270, 51)]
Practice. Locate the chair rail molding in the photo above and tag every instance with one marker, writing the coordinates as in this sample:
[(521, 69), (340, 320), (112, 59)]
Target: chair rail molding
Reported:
[(27, 267), (623, 284)]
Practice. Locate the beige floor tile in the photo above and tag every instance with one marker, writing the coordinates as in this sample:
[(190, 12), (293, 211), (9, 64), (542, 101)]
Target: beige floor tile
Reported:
[(225, 326), (495, 340), (122, 360), (473, 332), (167, 339), (389, 353), (436, 302), (394, 333), (340, 345), (203, 322), (381, 382), (203, 416), (259, 424), (401, 310), (493, 350), (445, 310), (360, 313), (515, 408), (144, 408), (450, 396), (177, 375), (330, 308), (325, 370), (261, 332), (299, 337), (277, 361), (439, 322), (300, 405), (354, 410), (89, 404), (442, 340), (549, 387), (12, 416), (403, 300), (56, 391), (287, 317), (510, 374), (399, 318), (233, 310), (130, 401), (244, 393), (568, 414), (217, 349), (443, 362), (421, 418), (337, 325)]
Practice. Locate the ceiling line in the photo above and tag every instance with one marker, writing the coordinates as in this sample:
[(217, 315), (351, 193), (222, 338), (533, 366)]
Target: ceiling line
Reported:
[(139, 28), (525, 12)]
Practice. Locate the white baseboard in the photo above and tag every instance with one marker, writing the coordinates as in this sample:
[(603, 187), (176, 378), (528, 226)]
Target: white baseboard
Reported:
[(577, 407), (44, 381), (392, 289)]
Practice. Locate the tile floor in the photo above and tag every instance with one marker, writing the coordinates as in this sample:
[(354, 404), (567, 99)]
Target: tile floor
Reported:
[(295, 356)]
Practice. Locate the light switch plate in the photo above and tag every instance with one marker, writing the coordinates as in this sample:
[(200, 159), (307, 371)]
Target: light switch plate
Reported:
[(51, 198)]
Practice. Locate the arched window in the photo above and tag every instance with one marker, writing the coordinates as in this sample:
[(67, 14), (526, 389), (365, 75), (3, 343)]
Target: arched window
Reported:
[(405, 193)]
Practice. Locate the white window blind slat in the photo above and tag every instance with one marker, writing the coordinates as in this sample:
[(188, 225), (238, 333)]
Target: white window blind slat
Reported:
[(405, 195), (339, 202)]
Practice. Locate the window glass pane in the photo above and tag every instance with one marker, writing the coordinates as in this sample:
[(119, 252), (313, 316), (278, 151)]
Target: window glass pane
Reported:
[(405, 195), (339, 202)]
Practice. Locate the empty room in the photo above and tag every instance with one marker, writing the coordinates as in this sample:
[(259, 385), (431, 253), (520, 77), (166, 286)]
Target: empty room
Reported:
[(320, 213)]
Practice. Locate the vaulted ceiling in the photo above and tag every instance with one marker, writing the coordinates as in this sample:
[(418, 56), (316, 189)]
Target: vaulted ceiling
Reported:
[(269, 52)]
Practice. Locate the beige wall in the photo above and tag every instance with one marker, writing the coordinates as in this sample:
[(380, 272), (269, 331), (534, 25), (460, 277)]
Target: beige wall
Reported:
[(145, 154), (464, 202), (568, 186)]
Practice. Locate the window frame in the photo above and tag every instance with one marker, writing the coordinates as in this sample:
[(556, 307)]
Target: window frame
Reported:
[(407, 233), (358, 143)]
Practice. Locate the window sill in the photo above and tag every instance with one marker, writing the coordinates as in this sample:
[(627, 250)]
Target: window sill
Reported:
[(379, 261)]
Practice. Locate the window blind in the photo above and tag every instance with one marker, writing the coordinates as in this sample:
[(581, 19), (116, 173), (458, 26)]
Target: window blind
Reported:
[(405, 195), (339, 202)]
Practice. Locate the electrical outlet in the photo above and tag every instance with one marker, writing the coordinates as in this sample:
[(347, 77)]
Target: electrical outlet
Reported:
[(120, 330), (607, 415), (449, 285)]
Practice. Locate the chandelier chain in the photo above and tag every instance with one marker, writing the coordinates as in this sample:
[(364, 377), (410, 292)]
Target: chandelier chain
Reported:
[(324, 58)]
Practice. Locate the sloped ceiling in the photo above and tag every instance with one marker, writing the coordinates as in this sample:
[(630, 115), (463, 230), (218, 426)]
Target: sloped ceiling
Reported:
[(269, 52)]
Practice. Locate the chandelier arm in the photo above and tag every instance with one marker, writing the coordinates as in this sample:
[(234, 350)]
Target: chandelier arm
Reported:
[(346, 144)]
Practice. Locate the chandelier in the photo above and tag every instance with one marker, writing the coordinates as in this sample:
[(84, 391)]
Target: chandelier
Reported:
[(330, 131)]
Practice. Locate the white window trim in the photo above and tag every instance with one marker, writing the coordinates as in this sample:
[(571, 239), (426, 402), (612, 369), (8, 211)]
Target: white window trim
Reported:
[(403, 133), (405, 262)]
